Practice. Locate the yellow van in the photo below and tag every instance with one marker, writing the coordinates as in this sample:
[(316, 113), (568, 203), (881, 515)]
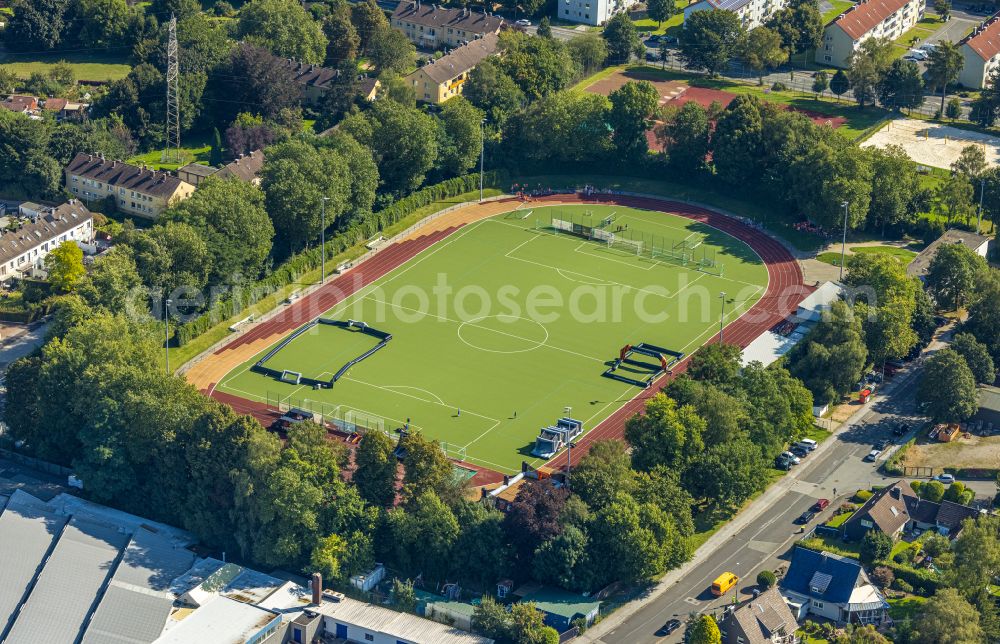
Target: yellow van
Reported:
[(725, 581)]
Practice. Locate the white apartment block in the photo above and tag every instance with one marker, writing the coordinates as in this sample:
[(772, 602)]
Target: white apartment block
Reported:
[(24, 248), (980, 53), (592, 12), (867, 19), (752, 13)]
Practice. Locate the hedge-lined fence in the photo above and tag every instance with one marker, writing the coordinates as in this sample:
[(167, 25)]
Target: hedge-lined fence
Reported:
[(352, 235)]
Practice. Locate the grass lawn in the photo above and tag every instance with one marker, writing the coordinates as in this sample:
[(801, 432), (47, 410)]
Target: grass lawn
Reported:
[(672, 26), (180, 355), (906, 608), (87, 66), (503, 363), (772, 220), (831, 544), (818, 434), (858, 121), (924, 28), (195, 148), (899, 547), (838, 520), (806, 638), (904, 255), (837, 7)]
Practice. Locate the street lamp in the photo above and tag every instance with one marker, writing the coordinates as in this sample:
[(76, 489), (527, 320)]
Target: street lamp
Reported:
[(567, 411), (982, 190), (722, 318), (843, 244), (322, 237), (166, 334), (482, 155)]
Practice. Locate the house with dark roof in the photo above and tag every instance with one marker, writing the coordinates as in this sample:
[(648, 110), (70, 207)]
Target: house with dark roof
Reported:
[(866, 19), (313, 79), (752, 13), (24, 247), (979, 244), (441, 79), (431, 26), (21, 104), (896, 508), (136, 190), (980, 53), (765, 619), (831, 586), (195, 173), (64, 109), (246, 168)]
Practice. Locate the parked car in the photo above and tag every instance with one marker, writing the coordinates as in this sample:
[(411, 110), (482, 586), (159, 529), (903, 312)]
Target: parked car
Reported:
[(668, 628), (653, 40), (882, 444), (873, 455), (945, 478), (523, 23), (792, 457), (670, 40), (799, 451), (807, 444), (782, 463), (806, 517), (900, 429), (821, 504)]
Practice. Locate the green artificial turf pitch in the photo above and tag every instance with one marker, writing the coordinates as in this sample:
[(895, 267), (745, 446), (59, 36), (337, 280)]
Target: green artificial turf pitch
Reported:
[(505, 323)]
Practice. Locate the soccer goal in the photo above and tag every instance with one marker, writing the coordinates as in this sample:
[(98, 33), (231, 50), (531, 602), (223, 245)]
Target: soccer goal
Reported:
[(293, 377), (631, 246)]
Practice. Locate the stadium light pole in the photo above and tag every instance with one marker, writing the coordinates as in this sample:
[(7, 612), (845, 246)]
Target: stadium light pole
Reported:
[(166, 334), (322, 236), (982, 190), (569, 448), (843, 244), (482, 155), (722, 317)]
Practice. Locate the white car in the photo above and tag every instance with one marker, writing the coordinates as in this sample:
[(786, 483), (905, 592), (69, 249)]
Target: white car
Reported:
[(945, 478), (916, 54), (873, 455), (523, 23), (791, 457)]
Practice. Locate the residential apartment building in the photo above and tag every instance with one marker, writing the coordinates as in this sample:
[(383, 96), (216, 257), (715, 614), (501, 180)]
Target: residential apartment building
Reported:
[(867, 19), (592, 12), (136, 190), (431, 26), (441, 79), (24, 248), (752, 13), (980, 53)]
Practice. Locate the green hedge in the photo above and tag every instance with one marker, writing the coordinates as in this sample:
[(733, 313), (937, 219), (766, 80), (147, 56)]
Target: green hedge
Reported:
[(916, 577), (301, 263), (892, 466)]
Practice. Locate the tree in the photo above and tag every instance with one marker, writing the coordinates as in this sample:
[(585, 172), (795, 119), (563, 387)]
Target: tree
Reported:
[(491, 89), (944, 64), (326, 557), (622, 38), (559, 559), (632, 541), (343, 41), (685, 136), (800, 25), (534, 517), (230, 216), (868, 65), (180, 8), (943, 9), (728, 473), (390, 50), (902, 86), (491, 618), (948, 388), (422, 536), (947, 618), (864, 635), (215, 155), (632, 105), (589, 51), (826, 176), (895, 188), (459, 138), (762, 50), (544, 27), (104, 23), (170, 257), (665, 435), (986, 107), (403, 595), (766, 579), (602, 473), (954, 108), (375, 469), (958, 493), (285, 28), (932, 491), (711, 38), (954, 197), (527, 624), (482, 553), (539, 66), (65, 266), (875, 546), (971, 163), (977, 356), (718, 364), (660, 10), (253, 81), (427, 466), (296, 178), (883, 576), (737, 141), (565, 127), (831, 358), (704, 631), (821, 82), (840, 83), (36, 25), (952, 275)]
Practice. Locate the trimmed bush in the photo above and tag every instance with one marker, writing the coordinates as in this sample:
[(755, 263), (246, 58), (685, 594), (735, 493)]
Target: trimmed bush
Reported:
[(901, 585), (861, 496), (766, 579)]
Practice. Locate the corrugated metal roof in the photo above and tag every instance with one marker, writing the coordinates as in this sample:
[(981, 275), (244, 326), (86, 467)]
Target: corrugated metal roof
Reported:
[(400, 625), (221, 621), (74, 574), (28, 528)]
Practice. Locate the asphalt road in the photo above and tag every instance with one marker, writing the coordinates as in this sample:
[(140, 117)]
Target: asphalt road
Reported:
[(835, 472)]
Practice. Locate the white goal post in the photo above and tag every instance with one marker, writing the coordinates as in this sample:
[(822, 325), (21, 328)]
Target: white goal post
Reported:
[(628, 245)]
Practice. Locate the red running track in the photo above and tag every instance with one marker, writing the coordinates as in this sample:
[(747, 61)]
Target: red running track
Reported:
[(784, 292)]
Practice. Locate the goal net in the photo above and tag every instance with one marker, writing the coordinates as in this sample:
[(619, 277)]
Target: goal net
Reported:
[(630, 246), (293, 377)]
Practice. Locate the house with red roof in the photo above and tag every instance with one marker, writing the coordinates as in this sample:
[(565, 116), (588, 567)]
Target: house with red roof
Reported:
[(867, 19), (980, 53)]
